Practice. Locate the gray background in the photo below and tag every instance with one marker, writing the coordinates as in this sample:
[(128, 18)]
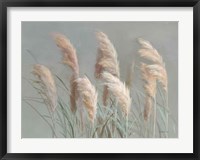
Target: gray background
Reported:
[(36, 38)]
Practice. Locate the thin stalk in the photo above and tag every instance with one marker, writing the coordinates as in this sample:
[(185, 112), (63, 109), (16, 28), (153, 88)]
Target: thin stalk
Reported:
[(154, 121), (81, 116), (92, 129), (53, 122), (127, 126), (115, 118), (53, 130), (54, 125), (167, 116), (146, 130)]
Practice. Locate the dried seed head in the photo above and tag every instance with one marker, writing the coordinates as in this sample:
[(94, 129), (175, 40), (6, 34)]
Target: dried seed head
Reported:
[(150, 89), (119, 91), (73, 93), (152, 73), (46, 81), (158, 69), (88, 96), (160, 74), (145, 44), (107, 56), (69, 52), (150, 81), (149, 52), (106, 61)]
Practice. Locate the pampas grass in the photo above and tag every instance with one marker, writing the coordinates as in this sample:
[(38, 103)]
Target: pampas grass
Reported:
[(48, 92), (70, 59), (160, 74), (69, 52), (149, 52), (88, 96), (107, 56), (106, 61), (46, 81), (150, 89), (157, 69), (119, 91), (84, 116), (152, 73), (73, 93)]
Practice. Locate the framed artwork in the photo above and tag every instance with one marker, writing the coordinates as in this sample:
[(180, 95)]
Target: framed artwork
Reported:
[(99, 79)]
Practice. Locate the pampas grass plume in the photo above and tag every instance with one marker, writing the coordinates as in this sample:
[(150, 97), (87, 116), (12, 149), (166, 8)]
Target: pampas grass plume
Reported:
[(150, 81), (151, 73), (149, 52), (47, 83), (107, 56), (70, 59), (119, 91), (106, 61), (69, 52), (150, 89), (88, 95), (159, 72)]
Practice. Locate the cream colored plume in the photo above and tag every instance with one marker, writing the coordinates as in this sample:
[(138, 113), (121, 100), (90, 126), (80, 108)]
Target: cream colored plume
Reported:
[(106, 61), (150, 89), (69, 52), (159, 72), (47, 83), (119, 91), (107, 56), (149, 52), (152, 73), (70, 59), (150, 81), (73, 93), (157, 69), (88, 96)]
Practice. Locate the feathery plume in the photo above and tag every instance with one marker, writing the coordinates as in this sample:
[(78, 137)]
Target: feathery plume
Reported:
[(47, 83), (150, 81), (106, 61), (160, 74), (145, 44), (150, 88), (70, 59), (88, 95), (158, 69), (73, 93), (149, 52), (119, 91), (107, 56), (69, 52), (151, 73)]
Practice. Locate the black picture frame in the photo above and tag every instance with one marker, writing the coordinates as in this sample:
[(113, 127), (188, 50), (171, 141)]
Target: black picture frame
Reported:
[(4, 4)]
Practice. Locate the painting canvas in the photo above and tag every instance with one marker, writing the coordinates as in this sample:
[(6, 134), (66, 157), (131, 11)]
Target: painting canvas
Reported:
[(99, 79)]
